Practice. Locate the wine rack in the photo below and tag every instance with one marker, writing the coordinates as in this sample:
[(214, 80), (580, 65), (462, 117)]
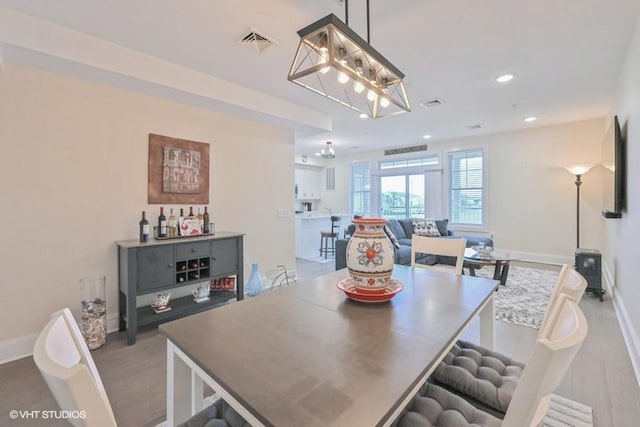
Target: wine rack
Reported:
[(163, 266), (192, 270)]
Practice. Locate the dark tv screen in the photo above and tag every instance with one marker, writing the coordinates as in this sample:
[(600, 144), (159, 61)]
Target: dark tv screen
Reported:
[(613, 176)]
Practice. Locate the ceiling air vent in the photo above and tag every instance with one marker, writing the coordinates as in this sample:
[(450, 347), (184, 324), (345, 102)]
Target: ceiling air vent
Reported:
[(432, 103), (255, 41)]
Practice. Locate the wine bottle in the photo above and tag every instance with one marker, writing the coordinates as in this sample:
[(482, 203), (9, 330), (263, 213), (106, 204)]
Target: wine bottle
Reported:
[(180, 221), (144, 228), (171, 224), (162, 223), (200, 220), (191, 215), (205, 219)]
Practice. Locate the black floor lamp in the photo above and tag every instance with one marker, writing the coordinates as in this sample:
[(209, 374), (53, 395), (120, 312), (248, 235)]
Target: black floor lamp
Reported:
[(578, 171)]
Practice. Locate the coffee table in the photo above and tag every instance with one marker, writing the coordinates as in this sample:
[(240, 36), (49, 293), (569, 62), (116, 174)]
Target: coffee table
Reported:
[(499, 259)]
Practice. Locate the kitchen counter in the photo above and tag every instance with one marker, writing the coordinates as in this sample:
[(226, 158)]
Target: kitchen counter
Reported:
[(308, 228)]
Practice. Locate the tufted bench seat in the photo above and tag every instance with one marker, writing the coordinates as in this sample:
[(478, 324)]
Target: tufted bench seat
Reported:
[(488, 378), (219, 414), (434, 406)]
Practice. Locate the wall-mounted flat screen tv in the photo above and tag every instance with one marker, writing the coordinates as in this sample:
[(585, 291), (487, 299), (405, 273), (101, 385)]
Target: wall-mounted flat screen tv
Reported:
[(613, 176)]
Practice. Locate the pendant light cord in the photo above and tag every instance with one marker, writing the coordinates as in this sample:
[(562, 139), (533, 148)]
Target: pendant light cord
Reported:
[(368, 41), (346, 18)]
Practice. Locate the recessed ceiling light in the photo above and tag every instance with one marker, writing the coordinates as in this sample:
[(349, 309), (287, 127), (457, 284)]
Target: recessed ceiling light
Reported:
[(504, 78), (426, 136), (530, 119), (363, 116)]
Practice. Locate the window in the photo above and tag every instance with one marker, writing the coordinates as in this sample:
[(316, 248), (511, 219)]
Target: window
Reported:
[(407, 163), (402, 196), (466, 187), (361, 189)]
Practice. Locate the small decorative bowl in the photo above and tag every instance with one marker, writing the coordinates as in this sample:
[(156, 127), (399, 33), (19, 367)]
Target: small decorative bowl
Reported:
[(482, 250)]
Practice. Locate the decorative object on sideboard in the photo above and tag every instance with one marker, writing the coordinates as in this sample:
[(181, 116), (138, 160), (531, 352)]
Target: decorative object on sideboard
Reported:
[(178, 171), (255, 285), (335, 62), (370, 256), (160, 302), (201, 293), (144, 228), (223, 284), (578, 171)]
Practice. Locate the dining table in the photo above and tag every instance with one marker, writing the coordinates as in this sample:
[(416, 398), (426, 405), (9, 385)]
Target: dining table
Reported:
[(308, 355)]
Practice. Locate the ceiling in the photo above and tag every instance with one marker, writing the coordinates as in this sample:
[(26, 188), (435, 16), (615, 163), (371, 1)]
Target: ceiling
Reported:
[(565, 55)]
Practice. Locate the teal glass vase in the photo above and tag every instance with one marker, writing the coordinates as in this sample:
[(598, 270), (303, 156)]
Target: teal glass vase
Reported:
[(255, 283)]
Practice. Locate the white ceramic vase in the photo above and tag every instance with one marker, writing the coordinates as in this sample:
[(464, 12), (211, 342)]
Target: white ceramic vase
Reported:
[(370, 256)]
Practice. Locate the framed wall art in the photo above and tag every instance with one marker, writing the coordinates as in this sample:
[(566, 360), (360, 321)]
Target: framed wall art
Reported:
[(178, 171)]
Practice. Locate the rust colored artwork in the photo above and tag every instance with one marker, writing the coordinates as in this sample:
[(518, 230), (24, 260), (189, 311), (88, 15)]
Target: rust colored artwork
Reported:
[(178, 171)]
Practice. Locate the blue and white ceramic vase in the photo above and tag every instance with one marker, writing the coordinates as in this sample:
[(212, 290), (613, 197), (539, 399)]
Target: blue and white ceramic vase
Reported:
[(254, 284), (370, 256)]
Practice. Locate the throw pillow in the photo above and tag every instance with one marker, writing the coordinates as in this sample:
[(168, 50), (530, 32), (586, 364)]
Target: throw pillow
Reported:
[(425, 227), (391, 236), (442, 225)]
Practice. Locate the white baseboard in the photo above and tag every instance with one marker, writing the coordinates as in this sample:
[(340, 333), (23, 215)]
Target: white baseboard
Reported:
[(17, 348), (629, 333), (21, 347)]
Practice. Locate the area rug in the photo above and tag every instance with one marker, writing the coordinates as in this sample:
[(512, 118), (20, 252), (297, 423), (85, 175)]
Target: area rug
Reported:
[(524, 298), (565, 412)]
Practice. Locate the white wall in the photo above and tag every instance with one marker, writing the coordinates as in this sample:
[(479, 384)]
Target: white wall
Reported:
[(74, 180), (531, 197), (622, 235)]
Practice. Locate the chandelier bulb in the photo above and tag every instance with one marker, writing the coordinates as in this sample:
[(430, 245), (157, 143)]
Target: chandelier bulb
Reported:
[(371, 95), (323, 59), (384, 102), (342, 77), (358, 87)]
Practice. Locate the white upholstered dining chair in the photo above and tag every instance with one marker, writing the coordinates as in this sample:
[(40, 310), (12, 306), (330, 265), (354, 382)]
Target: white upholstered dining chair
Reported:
[(552, 355), (487, 378), (65, 363), (63, 358), (440, 247)]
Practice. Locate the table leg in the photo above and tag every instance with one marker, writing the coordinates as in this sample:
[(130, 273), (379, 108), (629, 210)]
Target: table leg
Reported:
[(504, 273), (496, 270), (487, 324), (472, 270), (179, 390), (185, 389)]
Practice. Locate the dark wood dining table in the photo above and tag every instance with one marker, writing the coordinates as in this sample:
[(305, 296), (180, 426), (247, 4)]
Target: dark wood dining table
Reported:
[(307, 355)]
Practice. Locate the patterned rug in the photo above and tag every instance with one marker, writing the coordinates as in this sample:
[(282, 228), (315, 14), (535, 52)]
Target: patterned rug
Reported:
[(565, 412), (524, 298)]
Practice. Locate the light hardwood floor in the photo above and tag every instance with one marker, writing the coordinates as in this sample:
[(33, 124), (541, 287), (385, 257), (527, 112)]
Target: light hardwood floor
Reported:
[(134, 376)]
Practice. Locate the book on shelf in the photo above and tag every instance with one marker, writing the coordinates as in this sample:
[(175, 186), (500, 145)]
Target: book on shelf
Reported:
[(158, 310)]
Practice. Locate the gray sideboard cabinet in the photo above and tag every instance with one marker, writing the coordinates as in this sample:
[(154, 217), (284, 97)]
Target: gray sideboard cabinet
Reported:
[(166, 265)]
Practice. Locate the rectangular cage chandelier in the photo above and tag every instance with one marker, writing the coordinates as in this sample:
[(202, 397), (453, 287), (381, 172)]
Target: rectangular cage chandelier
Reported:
[(335, 62)]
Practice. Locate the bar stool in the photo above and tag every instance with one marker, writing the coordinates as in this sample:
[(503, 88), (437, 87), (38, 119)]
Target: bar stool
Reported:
[(330, 236)]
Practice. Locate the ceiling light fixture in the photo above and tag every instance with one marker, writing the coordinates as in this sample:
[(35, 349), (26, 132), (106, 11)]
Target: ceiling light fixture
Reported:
[(427, 136), (328, 152), (530, 119), (504, 78), (331, 54)]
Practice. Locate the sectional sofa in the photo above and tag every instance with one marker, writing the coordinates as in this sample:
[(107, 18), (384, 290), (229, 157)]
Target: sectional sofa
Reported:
[(403, 230)]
